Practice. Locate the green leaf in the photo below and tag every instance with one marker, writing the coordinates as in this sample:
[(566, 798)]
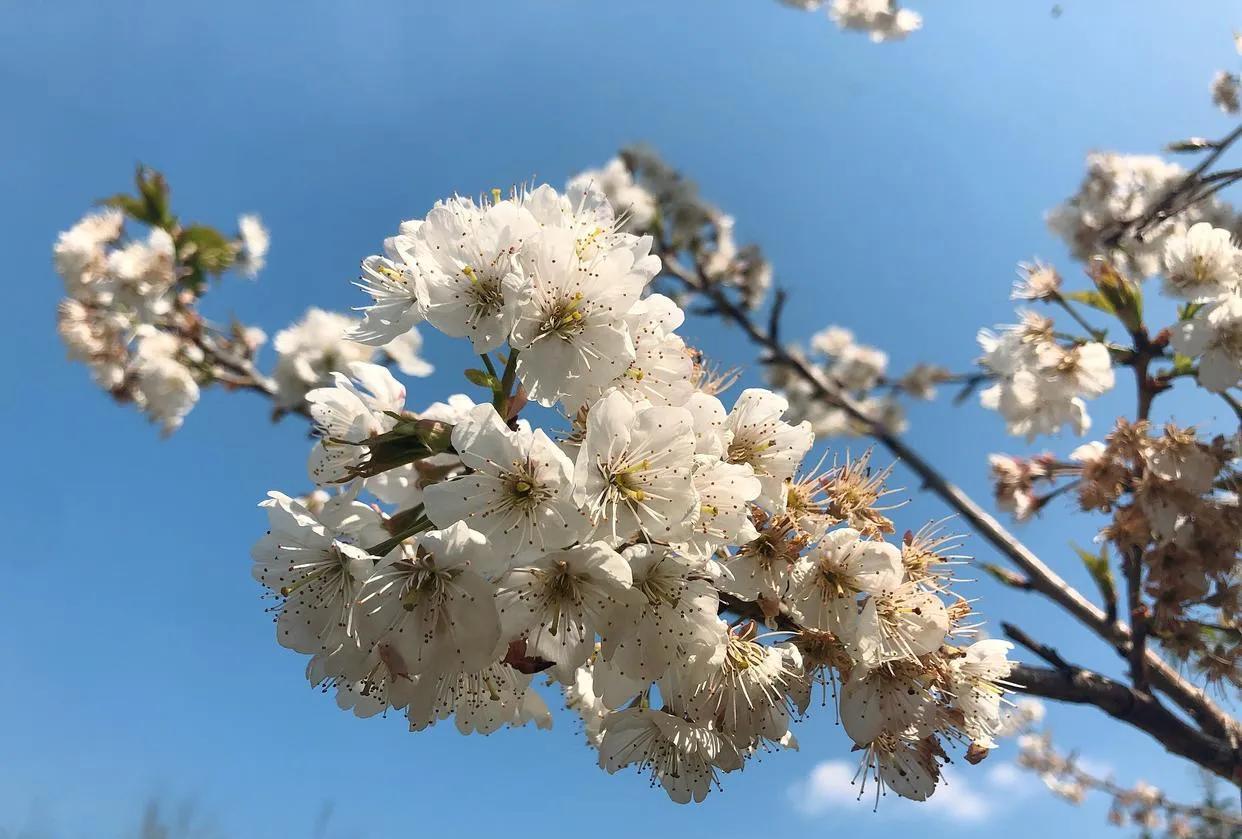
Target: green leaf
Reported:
[(207, 249), (1090, 298), (1188, 310), (482, 379), (1183, 364), (127, 204), (154, 192), (1101, 571)]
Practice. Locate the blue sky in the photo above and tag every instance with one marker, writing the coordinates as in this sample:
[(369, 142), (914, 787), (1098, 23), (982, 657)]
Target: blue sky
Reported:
[(894, 188)]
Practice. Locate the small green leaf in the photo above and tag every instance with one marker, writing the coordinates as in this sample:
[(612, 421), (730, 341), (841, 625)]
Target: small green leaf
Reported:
[(482, 379), (1101, 572), (1090, 298), (127, 204), (1183, 364), (153, 190), (206, 249)]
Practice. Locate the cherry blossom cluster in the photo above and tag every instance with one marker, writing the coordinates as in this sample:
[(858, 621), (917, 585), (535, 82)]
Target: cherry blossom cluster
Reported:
[(861, 371), (132, 312), (1119, 189), (881, 20), (129, 313), (1040, 380), (1042, 376), (663, 560), (1170, 498)]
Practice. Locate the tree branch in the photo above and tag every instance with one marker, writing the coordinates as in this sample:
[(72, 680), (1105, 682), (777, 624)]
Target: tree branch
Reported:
[(1139, 709)]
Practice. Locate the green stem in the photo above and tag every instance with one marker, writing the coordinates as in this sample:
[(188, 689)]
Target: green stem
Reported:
[(1096, 334)]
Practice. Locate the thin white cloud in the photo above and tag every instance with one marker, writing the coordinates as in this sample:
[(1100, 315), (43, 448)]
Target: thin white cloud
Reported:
[(829, 786), (964, 797)]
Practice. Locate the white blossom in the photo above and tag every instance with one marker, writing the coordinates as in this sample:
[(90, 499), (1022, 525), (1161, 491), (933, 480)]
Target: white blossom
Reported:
[(636, 205), (903, 623), (975, 679), (80, 254), (1117, 189), (165, 388), (562, 600), (317, 564), (347, 414), (1214, 337), (255, 242), (1040, 384), (1201, 264), (824, 589), (879, 700), (310, 350), (433, 604), (480, 702), (466, 255), (570, 327), (759, 436), (682, 757), (581, 698), (634, 471), (662, 371), (400, 300), (519, 493), (679, 619), (724, 491)]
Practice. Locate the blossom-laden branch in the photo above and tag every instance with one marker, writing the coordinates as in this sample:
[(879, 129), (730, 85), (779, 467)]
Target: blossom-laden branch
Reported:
[(132, 312), (489, 552), (1037, 376)]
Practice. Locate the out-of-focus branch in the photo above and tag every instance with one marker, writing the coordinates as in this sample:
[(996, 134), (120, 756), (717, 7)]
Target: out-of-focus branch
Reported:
[(1142, 803)]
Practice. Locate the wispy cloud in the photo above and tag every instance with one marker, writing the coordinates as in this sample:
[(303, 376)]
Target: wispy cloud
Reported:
[(963, 797)]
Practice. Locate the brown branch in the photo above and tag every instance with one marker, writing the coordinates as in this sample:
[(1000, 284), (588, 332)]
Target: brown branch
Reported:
[(1067, 682), (1137, 708), (1193, 700)]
